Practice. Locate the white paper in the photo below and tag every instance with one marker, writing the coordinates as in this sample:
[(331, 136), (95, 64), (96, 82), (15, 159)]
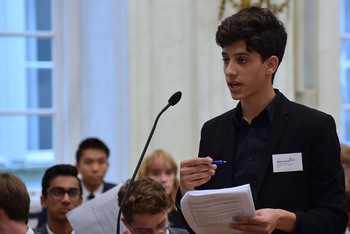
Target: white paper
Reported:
[(211, 211), (98, 215)]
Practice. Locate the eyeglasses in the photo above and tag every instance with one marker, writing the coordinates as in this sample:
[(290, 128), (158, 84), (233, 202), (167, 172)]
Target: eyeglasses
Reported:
[(161, 229), (57, 193)]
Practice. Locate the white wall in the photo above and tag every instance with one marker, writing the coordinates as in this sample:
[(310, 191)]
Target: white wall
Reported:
[(93, 58), (171, 46)]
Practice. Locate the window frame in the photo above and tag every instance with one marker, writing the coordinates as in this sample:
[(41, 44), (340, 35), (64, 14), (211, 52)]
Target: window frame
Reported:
[(344, 66), (55, 68)]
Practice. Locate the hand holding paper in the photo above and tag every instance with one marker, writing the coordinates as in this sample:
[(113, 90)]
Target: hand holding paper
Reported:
[(266, 221), (211, 211)]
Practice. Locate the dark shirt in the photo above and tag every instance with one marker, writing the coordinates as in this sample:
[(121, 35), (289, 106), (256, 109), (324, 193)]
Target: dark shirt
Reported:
[(251, 140), (42, 229), (175, 220)]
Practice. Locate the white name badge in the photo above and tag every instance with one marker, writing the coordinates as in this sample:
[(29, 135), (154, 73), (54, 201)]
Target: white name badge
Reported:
[(287, 162)]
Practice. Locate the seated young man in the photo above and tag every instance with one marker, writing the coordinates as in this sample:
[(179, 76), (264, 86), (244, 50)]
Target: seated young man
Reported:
[(92, 163), (14, 205), (61, 192), (146, 208)]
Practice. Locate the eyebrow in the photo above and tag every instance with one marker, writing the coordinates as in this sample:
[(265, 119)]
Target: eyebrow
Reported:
[(64, 188), (158, 225), (161, 223), (237, 54)]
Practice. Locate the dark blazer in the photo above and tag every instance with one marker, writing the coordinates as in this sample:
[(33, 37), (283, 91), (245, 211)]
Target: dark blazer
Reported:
[(177, 231), (107, 186), (315, 194), (42, 229)]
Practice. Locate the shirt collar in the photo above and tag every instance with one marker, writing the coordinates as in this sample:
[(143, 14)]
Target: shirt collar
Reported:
[(272, 107), (50, 232), (86, 192), (29, 231)]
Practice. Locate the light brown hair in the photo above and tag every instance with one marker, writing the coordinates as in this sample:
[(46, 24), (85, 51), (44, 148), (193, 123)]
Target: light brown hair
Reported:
[(146, 196), (14, 197), (160, 156), (345, 154)]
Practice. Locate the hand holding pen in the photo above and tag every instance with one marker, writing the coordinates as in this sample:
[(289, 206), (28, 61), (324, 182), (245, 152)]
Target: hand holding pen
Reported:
[(196, 171), (217, 162)]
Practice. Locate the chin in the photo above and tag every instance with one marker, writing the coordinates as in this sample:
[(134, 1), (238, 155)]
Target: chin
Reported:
[(168, 191), (236, 97)]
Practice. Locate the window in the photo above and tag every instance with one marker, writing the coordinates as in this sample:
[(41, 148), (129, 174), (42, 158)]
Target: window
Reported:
[(27, 107), (345, 70)]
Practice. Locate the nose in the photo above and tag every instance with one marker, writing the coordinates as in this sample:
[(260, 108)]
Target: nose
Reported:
[(65, 197), (163, 177), (230, 69), (95, 166)]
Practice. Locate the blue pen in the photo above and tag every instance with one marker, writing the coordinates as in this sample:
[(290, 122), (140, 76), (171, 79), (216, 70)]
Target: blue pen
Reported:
[(219, 162)]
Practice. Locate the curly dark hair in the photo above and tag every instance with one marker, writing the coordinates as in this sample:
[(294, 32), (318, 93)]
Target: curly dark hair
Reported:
[(259, 28), (146, 197)]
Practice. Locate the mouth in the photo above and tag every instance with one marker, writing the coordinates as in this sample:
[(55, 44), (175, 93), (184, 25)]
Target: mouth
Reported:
[(64, 210), (95, 178), (234, 85)]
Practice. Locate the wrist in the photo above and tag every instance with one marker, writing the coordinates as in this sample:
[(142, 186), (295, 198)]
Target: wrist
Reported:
[(287, 221), (182, 191)]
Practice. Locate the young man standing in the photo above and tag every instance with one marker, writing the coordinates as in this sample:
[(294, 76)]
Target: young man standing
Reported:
[(92, 163), (288, 153), (146, 208), (61, 192), (14, 206)]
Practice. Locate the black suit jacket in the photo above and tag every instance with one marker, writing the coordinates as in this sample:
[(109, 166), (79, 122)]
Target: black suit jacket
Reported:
[(173, 230), (36, 232), (107, 186), (316, 194), (42, 229)]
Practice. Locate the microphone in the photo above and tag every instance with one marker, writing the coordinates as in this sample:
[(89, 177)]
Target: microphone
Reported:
[(173, 100)]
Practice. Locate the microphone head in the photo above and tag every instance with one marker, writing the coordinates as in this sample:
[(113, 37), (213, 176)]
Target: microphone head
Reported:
[(175, 98)]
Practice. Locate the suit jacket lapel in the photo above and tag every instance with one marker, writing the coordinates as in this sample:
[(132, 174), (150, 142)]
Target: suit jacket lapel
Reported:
[(277, 128)]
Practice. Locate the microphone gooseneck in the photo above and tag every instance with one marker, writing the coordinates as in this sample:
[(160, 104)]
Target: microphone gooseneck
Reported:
[(173, 100)]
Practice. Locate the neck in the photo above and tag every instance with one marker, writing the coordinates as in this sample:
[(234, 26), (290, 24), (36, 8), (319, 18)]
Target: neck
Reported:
[(63, 227), (252, 108), (13, 227), (91, 188)]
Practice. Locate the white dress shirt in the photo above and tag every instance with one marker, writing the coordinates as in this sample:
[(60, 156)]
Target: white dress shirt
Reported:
[(96, 193)]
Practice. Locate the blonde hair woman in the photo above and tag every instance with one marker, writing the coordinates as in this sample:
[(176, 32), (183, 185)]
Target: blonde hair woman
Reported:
[(160, 166)]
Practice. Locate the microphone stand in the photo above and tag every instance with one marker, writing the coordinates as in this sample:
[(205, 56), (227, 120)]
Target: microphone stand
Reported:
[(172, 101)]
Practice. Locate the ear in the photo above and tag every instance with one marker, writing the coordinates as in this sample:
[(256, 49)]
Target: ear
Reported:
[(125, 222), (2, 212), (77, 167), (43, 201), (271, 65)]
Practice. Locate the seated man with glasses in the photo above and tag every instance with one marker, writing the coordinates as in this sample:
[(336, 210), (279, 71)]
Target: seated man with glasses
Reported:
[(146, 208), (61, 192)]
